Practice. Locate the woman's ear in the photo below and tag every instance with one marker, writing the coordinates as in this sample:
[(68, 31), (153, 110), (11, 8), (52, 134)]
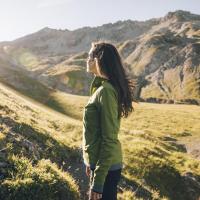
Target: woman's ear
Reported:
[(96, 60), (97, 66)]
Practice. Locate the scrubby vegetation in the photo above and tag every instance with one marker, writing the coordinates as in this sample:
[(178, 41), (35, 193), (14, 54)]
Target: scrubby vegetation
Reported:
[(43, 180), (36, 147), (40, 154)]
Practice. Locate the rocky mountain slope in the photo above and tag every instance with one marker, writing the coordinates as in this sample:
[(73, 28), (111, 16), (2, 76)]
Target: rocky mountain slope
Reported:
[(163, 53), (166, 58)]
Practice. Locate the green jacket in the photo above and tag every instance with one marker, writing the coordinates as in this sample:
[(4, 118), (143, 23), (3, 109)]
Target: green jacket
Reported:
[(101, 148)]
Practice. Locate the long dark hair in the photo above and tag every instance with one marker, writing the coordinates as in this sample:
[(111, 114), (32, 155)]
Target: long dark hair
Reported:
[(110, 63)]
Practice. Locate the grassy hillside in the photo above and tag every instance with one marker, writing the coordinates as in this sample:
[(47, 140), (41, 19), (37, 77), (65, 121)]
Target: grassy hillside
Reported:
[(35, 145), (19, 81), (156, 163), (40, 154)]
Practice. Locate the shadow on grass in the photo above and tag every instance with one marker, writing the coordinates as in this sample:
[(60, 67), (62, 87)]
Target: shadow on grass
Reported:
[(40, 93), (172, 145), (35, 145), (167, 180), (48, 147), (138, 190)]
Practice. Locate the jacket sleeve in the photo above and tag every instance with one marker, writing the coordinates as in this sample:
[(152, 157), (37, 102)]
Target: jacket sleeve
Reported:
[(108, 109)]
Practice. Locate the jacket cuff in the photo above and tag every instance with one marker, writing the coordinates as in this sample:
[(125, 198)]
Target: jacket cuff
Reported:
[(97, 188)]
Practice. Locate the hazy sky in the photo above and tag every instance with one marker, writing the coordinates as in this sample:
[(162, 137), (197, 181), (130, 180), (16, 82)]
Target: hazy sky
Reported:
[(21, 17)]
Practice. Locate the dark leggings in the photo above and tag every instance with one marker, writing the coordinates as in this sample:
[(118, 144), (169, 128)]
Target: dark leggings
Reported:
[(110, 185)]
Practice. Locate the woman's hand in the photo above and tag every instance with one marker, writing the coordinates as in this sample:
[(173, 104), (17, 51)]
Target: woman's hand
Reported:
[(87, 171), (94, 195)]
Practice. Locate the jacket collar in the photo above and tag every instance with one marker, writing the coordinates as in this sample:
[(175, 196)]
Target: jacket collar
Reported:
[(96, 82)]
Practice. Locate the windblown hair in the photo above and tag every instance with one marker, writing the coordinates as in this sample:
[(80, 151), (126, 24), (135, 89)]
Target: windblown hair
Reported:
[(110, 63)]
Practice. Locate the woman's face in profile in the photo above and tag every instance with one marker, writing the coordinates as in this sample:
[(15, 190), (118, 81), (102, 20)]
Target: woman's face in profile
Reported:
[(91, 63)]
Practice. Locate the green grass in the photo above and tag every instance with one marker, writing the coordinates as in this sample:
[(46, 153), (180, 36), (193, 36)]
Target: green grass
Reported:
[(43, 180), (39, 145), (36, 143), (151, 156)]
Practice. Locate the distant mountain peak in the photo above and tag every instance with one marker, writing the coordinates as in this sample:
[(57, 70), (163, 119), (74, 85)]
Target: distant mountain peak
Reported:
[(181, 15), (49, 30)]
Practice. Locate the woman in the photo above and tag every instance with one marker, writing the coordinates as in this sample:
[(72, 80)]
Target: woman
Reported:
[(111, 96)]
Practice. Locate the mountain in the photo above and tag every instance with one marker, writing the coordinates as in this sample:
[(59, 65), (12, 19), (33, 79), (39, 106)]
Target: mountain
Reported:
[(166, 59), (163, 53), (48, 41)]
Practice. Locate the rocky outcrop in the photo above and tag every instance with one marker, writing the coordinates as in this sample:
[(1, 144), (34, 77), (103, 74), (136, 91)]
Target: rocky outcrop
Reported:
[(167, 58)]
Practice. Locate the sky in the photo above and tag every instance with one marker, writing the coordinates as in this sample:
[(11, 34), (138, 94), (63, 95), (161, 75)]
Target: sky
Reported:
[(21, 17)]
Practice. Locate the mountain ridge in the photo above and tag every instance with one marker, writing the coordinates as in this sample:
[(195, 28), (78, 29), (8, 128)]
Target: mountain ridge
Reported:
[(57, 58)]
